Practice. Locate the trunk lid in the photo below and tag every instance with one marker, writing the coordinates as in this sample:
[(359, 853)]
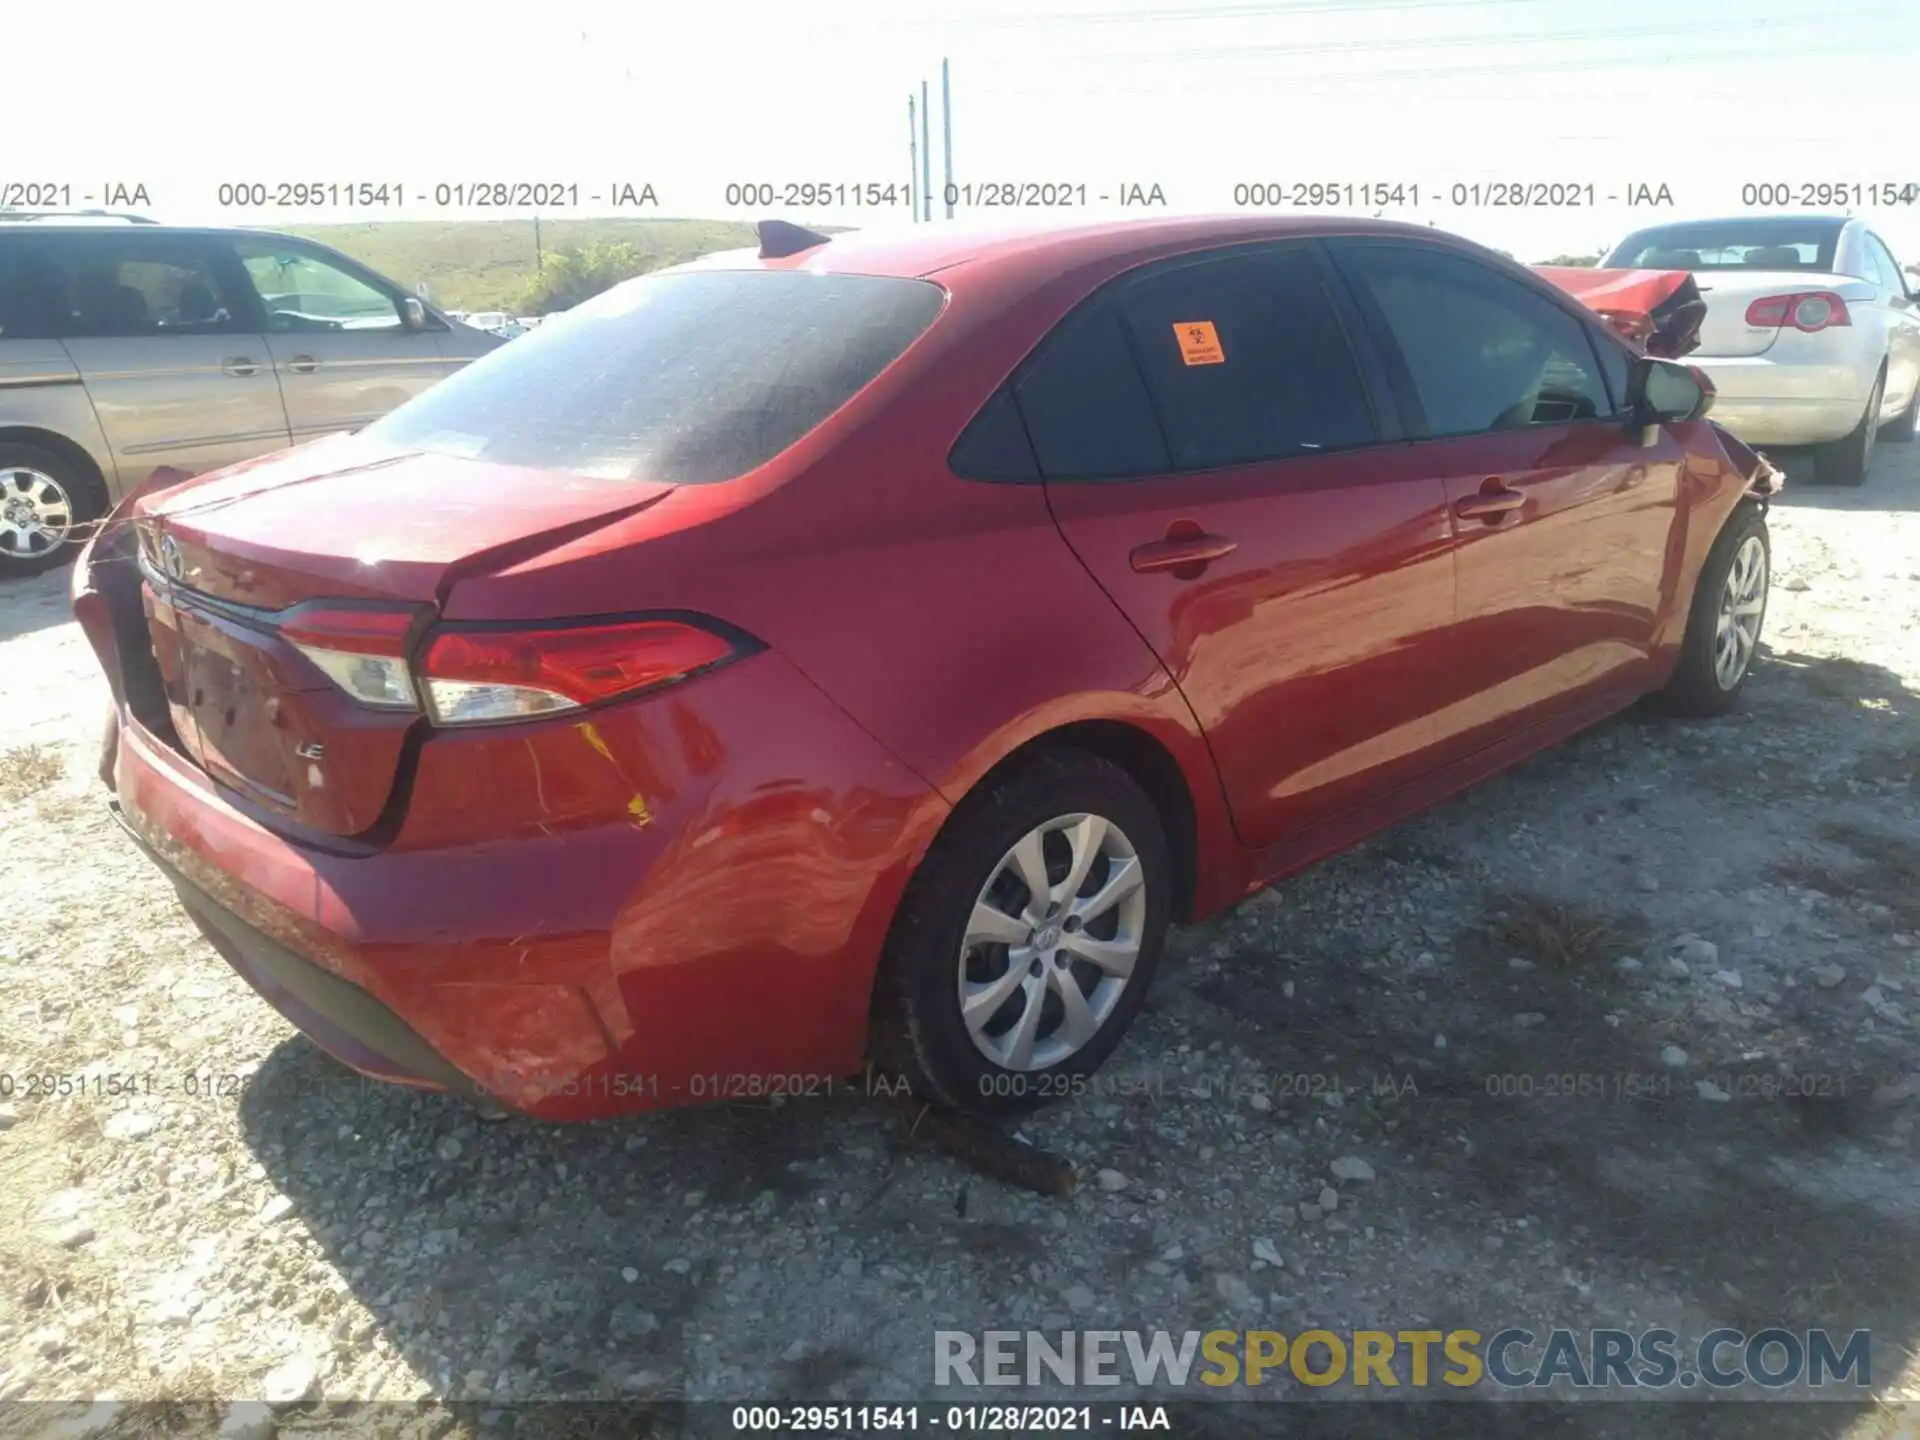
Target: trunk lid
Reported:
[(229, 560)]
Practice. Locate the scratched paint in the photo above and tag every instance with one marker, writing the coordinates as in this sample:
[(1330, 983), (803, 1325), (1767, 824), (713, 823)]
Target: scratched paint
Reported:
[(593, 739), (637, 806)]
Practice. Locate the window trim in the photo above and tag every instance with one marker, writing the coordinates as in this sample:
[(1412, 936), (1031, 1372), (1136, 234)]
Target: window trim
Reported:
[(1389, 424), (1402, 374)]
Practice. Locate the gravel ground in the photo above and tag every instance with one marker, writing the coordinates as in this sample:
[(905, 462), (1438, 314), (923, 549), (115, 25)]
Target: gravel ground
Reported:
[(1710, 905)]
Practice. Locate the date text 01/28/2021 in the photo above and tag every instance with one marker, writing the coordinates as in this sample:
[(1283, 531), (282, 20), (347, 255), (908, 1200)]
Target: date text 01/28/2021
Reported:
[(958, 1419)]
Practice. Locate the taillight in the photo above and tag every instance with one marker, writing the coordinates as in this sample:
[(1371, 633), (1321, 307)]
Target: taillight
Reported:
[(483, 675), (364, 652), (1808, 310)]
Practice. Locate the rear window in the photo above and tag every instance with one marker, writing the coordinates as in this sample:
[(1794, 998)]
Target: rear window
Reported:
[(1760, 243), (687, 378)]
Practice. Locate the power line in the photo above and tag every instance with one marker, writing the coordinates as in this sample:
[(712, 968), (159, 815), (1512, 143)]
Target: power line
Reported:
[(1160, 54), (1316, 81)]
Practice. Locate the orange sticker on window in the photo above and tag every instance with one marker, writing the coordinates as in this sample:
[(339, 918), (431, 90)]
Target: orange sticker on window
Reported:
[(1199, 343)]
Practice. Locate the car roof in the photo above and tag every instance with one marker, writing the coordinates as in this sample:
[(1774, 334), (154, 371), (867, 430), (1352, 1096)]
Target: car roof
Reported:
[(1038, 247), (123, 225)]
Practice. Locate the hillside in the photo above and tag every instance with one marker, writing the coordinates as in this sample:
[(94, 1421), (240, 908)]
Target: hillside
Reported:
[(488, 264)]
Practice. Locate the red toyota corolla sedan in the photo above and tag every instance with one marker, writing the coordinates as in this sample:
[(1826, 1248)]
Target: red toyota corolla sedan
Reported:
[(863, 649)]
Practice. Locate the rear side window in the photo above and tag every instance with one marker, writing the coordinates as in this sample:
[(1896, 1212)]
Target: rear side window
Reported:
[(124, 286), (1481, 351), (1247, 359), (1885, 268), (688, 378), (995, 445), (29, 292), (1086, 407)]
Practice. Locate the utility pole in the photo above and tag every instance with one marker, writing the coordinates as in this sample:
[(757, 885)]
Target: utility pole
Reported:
[(946, 124), (926, 153), (913, 160), (539, 254)]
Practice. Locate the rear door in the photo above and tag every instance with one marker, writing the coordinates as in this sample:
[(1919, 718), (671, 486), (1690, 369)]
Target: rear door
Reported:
[(177, 373), (1213, 455), (1569, 530), (345, 356)]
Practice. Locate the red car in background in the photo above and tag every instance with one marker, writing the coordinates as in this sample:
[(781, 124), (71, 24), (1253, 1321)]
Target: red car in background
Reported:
[(864, 649)]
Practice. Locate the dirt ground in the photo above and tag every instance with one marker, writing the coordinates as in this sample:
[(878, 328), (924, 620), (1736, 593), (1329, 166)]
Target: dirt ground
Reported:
[(1706, 906)]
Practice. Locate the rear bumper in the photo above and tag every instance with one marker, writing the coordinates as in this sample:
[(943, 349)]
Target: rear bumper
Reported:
[(1770, 401), (349, 1023), (718, 941)]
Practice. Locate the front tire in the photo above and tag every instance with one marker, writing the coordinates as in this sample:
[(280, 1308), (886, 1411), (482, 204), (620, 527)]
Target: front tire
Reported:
[(1845, 461), (1724, 623), (1027, 939), (46, 501)]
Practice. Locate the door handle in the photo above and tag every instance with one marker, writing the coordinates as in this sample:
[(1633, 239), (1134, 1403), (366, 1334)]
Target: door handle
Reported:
[(1187, 547), (303, 364), (1493, 501), (241, 365)]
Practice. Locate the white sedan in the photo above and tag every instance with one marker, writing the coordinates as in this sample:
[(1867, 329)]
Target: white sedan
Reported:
[(1812, 336)]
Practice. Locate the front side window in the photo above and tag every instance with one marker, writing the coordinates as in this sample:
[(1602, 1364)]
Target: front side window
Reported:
[(686, 378), (1481, 351), (122, 286), (302, 291), (1246, 359)]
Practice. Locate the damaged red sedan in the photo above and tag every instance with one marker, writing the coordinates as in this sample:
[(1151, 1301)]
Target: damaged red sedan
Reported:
[(859, 652)]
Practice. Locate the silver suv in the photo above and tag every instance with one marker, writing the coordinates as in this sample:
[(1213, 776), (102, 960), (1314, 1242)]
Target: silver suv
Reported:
[(127, 345)]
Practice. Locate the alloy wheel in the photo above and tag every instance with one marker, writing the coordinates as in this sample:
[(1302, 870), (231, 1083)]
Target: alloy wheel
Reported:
[(36, 513), (1052, 942), (1743, 600)]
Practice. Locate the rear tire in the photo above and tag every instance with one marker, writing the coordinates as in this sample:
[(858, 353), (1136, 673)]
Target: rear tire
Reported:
[(1051, 987), (46, 504), (1845, 461), (1900, 429), (1724, 622)]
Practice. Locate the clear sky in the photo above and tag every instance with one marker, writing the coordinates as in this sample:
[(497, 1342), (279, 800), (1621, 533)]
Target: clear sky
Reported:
[(1702, 96)]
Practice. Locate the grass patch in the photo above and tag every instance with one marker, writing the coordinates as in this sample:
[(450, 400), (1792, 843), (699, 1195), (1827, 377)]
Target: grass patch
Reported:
[(489, 264), (26, 770), (1888, 872), (1565, 935)]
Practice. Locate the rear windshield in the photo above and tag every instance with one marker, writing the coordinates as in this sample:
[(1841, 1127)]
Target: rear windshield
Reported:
[(1762, 243), (687, 378)]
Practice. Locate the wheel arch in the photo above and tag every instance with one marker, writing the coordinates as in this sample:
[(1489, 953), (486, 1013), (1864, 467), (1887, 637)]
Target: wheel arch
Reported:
[(65, 448), (1192, 816)]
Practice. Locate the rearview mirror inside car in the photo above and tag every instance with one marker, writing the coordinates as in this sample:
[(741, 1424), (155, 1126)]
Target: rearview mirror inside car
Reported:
[(1663, 392), (412, 313)]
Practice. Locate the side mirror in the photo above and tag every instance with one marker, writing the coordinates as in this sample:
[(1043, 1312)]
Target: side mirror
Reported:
[(412, 313), (1661, 392)]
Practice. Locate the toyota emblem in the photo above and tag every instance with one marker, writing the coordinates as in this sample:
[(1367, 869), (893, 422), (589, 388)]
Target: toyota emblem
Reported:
[(170, 560)]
